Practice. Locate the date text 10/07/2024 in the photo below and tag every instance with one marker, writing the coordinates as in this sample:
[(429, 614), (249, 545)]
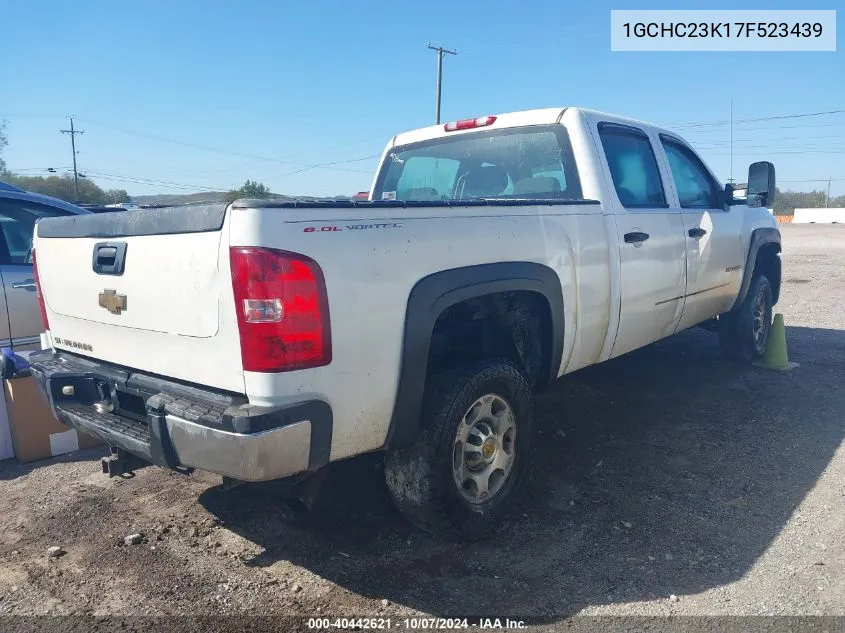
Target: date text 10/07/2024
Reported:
[(722, 29), (414, 624)]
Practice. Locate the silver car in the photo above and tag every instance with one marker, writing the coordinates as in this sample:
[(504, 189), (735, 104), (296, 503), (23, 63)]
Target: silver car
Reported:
[(20, 317)]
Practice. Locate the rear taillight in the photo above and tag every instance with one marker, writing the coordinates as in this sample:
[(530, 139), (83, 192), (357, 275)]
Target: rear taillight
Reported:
[(468, 124), (282, 308), (38, 293)]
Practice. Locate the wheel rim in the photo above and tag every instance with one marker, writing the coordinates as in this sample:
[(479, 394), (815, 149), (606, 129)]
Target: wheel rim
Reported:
[(484, 450), (760, 321)]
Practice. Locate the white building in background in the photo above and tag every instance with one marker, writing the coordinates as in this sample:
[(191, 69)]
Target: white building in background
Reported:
[(827, 215), (124, 205)]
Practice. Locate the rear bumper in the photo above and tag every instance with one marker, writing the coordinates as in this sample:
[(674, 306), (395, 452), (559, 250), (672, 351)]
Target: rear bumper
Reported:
[(177, 425)]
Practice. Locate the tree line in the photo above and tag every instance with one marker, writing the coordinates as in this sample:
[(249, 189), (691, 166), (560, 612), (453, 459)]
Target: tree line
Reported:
[(787, 201), (61, 187), (250, 189)]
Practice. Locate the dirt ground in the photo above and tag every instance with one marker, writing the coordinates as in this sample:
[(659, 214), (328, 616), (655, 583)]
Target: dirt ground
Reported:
[(681, 485)]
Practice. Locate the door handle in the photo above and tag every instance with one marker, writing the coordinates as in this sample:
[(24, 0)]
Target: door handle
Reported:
[(697, 232), (636, 237), (26, 284)]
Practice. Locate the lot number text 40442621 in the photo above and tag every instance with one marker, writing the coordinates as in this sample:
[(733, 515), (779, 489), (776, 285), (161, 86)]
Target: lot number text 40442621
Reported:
[(414, 624)]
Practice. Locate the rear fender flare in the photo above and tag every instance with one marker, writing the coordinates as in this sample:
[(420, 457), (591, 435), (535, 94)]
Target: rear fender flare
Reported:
[(437, 292)]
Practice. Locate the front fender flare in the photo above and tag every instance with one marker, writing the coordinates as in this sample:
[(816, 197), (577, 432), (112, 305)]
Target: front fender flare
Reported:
[(759, 237)]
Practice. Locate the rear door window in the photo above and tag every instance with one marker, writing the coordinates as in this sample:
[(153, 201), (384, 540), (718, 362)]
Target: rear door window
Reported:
[(633, 166), (533, 162)]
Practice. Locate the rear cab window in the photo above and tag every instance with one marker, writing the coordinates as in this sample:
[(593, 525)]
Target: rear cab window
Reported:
[(518, 163)]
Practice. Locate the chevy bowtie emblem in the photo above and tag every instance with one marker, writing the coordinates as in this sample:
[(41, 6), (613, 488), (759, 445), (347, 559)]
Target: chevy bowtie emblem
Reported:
[(113, 302)]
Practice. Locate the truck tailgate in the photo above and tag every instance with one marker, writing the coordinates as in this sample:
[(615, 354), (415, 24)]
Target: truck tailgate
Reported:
[(148, 289)]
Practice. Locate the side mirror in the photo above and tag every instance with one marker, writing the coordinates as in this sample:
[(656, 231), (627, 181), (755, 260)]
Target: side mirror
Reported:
[(761, 184)]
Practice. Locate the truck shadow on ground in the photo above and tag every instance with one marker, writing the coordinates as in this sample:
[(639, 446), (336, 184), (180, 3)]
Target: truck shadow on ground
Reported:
[(674, 473)]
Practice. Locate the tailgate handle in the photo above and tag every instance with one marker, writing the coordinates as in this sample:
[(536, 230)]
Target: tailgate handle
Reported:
[(109, 258), (106, 255)]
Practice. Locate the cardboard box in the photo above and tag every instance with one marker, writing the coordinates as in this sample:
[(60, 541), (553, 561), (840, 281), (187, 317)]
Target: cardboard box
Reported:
[(6, 450), (36, 433)]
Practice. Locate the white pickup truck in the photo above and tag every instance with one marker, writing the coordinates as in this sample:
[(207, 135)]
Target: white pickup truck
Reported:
[(265, 339)]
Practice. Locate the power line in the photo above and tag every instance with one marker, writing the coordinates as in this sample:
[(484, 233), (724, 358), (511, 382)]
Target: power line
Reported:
[(149, 181), (139, 180), (710, 147), (790, 116), (774, 148), (72, 132), (124, 180), (724, 152), (188, 188), (776, 138), (47, 169), (800, 151), (141, 134), (779, 127), (545, 40), (209, 148), (32, 116), (679, 126), (327, 165), (382, 137)]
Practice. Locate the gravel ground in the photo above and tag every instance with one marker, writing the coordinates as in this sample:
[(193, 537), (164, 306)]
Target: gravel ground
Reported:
[(680, 485)]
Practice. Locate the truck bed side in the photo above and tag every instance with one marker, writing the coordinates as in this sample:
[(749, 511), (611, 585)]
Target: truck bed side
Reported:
[(372, 257)]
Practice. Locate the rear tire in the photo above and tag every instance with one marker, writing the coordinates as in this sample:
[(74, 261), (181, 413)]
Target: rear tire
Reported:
[(477, 434), (744, 332)]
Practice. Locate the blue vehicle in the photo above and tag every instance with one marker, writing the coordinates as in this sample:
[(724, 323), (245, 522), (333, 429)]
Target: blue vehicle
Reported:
[(20, 321)]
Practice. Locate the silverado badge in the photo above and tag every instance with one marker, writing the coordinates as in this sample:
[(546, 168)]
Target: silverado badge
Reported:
[(113, 302)]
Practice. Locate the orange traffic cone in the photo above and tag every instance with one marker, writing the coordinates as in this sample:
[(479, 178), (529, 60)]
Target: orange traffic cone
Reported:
[(776, 356)]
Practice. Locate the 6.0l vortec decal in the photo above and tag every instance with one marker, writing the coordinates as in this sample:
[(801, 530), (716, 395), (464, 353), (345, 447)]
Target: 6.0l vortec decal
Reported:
[(350, 227)]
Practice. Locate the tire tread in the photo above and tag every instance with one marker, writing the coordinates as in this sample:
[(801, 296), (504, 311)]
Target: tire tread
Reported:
[(416, 477), (735, 327)]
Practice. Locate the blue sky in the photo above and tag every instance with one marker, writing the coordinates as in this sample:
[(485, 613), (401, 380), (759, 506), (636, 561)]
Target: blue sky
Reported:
[(273, 87)]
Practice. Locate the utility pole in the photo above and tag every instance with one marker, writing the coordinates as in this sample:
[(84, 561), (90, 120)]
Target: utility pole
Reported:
[(440, 53), (827, 200), (73, 134)]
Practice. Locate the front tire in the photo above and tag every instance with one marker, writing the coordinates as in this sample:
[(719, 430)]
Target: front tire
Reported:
[(471, 464), (744, 333)]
